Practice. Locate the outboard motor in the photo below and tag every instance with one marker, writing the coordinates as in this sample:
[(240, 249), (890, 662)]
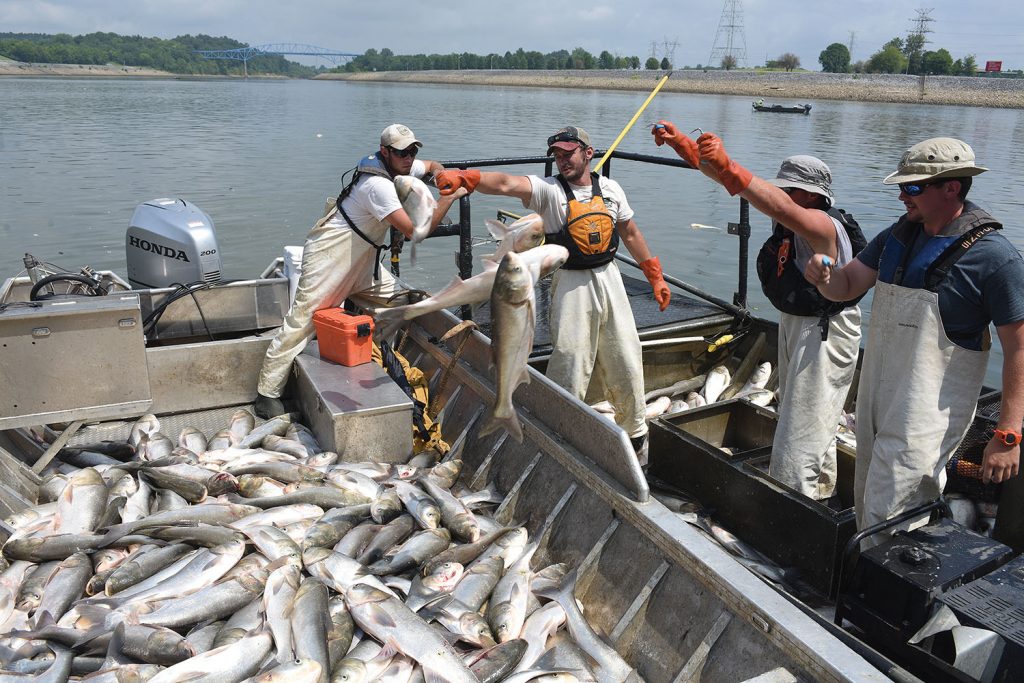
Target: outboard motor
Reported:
[(170, 242)]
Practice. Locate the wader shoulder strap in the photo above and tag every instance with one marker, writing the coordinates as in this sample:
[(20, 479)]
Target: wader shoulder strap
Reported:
[(595, 187), (940, 268), (378, 247)]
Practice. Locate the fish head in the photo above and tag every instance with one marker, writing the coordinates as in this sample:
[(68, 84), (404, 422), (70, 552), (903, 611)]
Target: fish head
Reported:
[(314, 554), (555, 257), (465, 526), (513, 283), (362, 594), (350, 670), (431, 516), (405, 472), (473, 627), (527, 232), (502, 619), (445, 473), (444, 576)]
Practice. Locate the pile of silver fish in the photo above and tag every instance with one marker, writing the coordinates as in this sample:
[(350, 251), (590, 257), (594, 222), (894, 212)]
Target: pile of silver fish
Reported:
[(253, 555), (700, 391)]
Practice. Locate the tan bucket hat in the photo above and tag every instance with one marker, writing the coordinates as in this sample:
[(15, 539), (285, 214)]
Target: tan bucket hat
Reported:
[(933, 159)]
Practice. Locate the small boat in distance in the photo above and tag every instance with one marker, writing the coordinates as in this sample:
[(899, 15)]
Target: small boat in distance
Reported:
[(759, 105)]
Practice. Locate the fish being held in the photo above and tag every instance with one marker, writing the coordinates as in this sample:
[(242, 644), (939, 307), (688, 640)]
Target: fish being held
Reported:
[(541, 262), (522, 235), (513, 318), (419, 204)]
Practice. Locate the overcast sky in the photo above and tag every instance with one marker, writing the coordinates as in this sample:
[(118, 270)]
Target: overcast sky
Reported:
[(990, 30)]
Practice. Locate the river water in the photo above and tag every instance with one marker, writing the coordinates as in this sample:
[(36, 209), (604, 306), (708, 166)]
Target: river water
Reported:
[(261, 156)]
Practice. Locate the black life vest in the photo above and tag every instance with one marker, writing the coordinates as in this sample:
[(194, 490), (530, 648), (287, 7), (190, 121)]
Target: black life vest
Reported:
[(784, 284), (589, 231), (368, 165)]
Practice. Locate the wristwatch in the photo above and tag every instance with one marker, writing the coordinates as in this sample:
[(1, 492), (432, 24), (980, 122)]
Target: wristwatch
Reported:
[(1008, 437)]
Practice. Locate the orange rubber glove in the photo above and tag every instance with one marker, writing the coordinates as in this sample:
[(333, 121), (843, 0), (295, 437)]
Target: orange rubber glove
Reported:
[(685, 147), (652, 271), (449, 181), (733, 177)]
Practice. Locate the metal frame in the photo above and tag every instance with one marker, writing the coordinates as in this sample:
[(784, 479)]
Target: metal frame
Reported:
[(464, 229)]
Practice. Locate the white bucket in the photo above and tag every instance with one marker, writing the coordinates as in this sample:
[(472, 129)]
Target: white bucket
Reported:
[(292, 270)]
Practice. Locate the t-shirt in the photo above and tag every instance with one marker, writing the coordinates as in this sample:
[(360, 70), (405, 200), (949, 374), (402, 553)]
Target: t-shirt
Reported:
[(804, 252), (550, 201), (371, 200), (985, 285)]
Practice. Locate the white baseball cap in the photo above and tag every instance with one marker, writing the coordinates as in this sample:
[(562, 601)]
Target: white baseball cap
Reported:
[(398, 136)]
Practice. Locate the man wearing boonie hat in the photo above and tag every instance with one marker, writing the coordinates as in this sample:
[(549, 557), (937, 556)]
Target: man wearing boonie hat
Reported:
[(593, 334), (818, 339), (942, 273), (342, 252)]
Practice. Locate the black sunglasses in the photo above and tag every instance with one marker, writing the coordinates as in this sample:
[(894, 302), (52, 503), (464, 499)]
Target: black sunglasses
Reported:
[(564, 136), (410, 151), (915, 189)]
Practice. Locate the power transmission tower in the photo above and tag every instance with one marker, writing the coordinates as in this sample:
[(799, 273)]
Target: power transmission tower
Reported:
[(654, 49), (850, 46), (921, 24), (731, 39), (916, 38), (670, 50)]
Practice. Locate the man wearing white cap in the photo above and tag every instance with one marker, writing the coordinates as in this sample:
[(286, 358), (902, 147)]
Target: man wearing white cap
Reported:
[(593, 334), (818, 339), (942, 273), (343, 250)]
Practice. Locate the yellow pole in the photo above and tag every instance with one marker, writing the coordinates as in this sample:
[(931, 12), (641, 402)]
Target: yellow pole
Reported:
[(632, 121)]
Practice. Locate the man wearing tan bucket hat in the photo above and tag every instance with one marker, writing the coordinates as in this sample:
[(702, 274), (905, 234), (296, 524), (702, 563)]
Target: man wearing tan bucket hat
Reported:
[(942, 273)]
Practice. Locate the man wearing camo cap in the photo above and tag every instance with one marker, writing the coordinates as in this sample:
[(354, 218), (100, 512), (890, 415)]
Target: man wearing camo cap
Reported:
[(942, 273)]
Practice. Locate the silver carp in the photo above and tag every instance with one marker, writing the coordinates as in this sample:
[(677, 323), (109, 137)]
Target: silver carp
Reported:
[(388, 620), (513, 319), (540, 260), (419, 204)]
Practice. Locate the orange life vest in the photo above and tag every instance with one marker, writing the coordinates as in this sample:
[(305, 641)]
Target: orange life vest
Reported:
[(589, 231)]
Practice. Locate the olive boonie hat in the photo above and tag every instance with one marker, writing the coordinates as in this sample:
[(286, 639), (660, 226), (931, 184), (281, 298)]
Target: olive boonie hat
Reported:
[(935, 158), (398, 136), (568, 138), (806, 173)]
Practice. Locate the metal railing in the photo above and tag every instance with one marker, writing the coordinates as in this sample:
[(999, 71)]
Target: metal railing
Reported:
[(463, 229)]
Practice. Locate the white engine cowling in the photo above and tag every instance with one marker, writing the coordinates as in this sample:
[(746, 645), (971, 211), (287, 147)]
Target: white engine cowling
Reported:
[(171, 242)]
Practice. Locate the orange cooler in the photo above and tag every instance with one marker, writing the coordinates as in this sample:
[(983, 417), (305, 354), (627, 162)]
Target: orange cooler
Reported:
[(344, 338)]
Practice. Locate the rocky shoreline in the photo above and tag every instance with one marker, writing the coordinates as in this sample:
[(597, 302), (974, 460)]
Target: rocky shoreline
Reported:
[(772, 86), (10, 68)]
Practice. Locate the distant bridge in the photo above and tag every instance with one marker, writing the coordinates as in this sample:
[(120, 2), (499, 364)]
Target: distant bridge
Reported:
[(244, 54)]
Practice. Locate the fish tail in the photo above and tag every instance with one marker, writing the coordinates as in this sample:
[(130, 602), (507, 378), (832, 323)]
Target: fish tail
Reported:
[(509, 423)]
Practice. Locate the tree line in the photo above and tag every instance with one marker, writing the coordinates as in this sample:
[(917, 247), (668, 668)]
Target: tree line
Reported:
[(174, 55), (578, 58), (899, 55)]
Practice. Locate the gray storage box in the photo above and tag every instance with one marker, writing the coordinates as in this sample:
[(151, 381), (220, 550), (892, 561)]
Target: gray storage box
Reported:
[(358, 405), (72, 359)]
